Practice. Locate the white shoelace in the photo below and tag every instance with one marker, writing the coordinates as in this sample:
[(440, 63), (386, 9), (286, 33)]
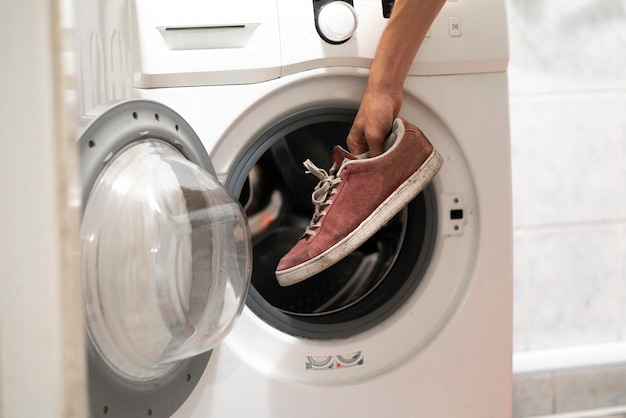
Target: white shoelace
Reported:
[(321, 194)]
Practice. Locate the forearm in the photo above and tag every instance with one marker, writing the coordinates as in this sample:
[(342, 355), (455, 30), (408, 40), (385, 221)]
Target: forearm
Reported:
[(399, 43), (382, 99)]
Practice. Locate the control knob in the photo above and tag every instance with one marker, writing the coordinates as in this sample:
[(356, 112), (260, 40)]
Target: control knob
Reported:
[(336, 22)]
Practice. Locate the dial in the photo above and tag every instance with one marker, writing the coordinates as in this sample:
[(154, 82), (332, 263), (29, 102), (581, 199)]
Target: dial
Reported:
[(337, 21)]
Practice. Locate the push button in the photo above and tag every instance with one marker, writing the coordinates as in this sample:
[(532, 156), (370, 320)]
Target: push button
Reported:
[(454, 26)]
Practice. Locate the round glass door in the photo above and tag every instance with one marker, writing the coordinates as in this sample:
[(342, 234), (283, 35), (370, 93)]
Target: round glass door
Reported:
[(165, 260)]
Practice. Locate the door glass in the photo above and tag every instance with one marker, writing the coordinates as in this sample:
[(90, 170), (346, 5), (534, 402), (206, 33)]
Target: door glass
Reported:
[(166, 260)]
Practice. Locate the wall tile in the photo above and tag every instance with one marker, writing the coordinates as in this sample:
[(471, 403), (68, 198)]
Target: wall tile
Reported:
[(573, 287), (520, 164), (566, 156), (578, 390), (566, 45), (621, 133), (521, 294), (533, 394), (621, 263)]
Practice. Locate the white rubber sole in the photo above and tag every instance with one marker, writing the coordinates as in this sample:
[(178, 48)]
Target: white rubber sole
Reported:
[(374, 222)]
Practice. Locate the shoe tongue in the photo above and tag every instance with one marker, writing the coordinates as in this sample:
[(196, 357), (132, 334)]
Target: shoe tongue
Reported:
[(339, 155)]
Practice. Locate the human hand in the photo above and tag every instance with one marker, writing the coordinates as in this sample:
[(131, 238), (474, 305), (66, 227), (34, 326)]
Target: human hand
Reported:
[(373, 123)]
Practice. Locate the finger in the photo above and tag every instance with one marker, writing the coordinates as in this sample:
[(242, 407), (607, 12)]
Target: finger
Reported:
[(375, 137), (376, 148), (356, 142)]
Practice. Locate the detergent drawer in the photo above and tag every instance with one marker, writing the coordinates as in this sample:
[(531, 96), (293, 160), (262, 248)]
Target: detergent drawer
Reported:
[(192, 42)]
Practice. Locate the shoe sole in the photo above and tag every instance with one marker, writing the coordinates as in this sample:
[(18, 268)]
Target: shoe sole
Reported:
[(372, 224)]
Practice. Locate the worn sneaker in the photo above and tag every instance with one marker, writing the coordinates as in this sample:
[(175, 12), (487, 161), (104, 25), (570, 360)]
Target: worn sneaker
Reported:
[(357, 197)]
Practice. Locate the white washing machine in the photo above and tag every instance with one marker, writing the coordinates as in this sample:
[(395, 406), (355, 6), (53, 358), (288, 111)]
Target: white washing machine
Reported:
[(418, 321)]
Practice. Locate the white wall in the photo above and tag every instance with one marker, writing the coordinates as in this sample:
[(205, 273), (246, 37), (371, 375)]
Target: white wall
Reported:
[(568, 122), (568, 118)]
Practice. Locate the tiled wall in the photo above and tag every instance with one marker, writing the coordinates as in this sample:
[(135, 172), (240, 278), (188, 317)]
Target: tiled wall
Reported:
[(568, 132), (568, 127)]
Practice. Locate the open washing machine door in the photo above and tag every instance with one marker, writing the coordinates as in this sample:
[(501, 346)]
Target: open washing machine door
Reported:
[(166, 258)]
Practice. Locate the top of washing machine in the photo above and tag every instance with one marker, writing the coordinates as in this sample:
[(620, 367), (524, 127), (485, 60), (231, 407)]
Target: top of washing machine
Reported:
[(195, 42)]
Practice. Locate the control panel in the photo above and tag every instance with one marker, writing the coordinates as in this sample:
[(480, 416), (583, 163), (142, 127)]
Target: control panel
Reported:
[(468, 36)]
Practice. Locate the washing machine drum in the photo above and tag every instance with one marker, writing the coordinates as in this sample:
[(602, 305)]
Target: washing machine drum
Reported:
[(166, 255)]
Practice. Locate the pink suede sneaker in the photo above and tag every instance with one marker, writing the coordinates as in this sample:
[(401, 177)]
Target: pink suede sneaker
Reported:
[(357, 197)]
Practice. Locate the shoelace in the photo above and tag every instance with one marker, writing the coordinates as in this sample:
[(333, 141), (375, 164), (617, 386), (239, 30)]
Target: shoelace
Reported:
[(321, 194)]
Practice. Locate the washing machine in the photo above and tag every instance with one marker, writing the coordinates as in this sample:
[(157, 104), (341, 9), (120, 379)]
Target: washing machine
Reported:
[(228, 99)]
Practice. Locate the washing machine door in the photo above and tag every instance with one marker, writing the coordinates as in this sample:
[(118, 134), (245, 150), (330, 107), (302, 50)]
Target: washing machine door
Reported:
[(165, 258)]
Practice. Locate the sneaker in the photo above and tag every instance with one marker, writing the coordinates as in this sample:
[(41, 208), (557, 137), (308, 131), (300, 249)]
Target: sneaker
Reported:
[(357, 197)]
